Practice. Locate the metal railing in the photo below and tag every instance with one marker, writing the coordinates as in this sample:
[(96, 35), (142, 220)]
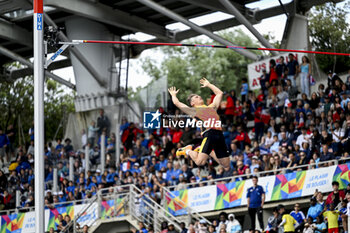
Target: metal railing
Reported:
[(134, 203), (144, 209), (259, 174)]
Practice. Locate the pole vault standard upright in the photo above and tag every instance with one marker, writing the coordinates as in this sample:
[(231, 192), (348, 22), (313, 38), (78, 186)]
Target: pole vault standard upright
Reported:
[(39, 116)]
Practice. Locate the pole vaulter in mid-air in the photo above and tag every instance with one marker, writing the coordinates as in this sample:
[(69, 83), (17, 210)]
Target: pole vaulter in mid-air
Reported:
[(213, 143)]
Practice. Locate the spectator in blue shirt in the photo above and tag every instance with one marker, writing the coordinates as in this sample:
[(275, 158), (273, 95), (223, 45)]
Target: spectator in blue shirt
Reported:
[(135, 168), (293, 68), (314, 209), (162, 162), (298, 216), (4, 142), (59, 145), (170, 174), (71, 187), (98, 176), (244, 89), (255, 202), (320, 226)]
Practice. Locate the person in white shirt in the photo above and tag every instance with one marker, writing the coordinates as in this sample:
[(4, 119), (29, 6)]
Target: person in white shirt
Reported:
[(83, 138), (337, 132), (303, 137), (233, 226)]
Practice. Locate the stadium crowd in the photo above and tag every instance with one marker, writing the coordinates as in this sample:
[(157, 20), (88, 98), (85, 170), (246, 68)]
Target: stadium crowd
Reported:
[(277, 127)]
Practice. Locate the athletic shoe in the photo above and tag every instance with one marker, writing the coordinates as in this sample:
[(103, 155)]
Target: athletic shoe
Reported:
[(182, 151)]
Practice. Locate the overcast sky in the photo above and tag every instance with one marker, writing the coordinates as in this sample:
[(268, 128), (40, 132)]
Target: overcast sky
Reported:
[(274, 26)]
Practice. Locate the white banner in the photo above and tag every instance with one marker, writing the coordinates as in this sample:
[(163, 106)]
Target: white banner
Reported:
[(202, 198), (320, 179), (255, 69)]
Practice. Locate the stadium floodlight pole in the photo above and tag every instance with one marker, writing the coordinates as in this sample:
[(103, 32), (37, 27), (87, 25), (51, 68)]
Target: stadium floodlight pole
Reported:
[(38, 28), (77, 42)]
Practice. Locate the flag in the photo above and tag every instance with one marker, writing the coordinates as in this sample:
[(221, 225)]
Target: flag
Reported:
[(287, 103)]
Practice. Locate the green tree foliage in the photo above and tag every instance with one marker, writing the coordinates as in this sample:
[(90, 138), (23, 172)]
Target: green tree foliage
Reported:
[(184, 66), (329, 31), (17, 106)]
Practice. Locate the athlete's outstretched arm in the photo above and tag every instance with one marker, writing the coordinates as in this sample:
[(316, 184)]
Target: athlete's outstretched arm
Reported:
[(183, 107), (218, 93)]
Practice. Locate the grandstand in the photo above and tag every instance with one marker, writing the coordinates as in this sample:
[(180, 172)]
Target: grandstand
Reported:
[(122, 177)]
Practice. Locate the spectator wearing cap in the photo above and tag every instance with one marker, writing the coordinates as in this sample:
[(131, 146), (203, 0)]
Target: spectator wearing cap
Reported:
[(135, 168), (201, 226), (255, 162), (336, 196), (255, 202), (233, 226)]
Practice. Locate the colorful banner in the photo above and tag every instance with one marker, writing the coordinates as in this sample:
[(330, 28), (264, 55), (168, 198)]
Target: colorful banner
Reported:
[(25, 222), (288, 186), (280, 187), (342, 175), (12, 223), (229, 195), (54, 213), (177, 202), (108, 208)]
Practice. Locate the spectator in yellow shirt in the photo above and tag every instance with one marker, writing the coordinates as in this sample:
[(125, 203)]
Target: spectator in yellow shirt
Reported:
[(288, 222), (332, 218)]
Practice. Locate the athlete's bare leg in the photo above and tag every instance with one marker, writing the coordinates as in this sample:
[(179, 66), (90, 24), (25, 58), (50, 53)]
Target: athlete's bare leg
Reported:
[(224, 162), (199, 158)]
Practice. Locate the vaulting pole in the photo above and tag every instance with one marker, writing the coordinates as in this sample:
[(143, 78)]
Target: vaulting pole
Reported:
[(39, 116)]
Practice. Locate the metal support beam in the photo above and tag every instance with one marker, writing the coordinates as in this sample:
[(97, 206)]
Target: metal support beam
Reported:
[(233, 10), (102, 13), (201, 30), (217, 26), (24, 61), (87, 160), (71, 168), (77, 53), (12, 32), (15, 74), (103, 152), (55, 180), (117, 142)]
